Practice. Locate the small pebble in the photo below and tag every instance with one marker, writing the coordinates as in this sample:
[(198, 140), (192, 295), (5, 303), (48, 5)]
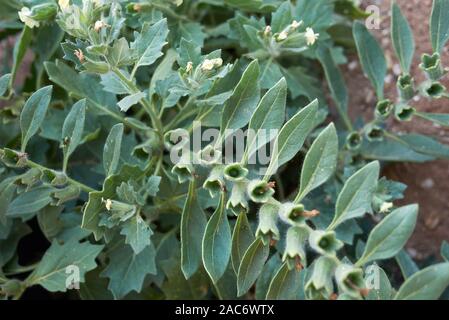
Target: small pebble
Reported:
[(428, 183)]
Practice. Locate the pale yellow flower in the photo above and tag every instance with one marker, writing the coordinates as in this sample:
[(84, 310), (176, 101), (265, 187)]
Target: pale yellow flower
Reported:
[(99, 25), (25, 17), (207, 65), (385, 207), (189, 66), (64, 4), (267, 30), (311, 36), (108, 204), (218, 62), (295, 24), (282, 36)]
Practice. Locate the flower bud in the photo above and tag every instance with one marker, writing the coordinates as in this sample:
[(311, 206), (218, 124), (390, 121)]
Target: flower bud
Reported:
[(403, 112), (386, 207), (64, 195), (238, 202), (267, 31), (100, 24), (294, 252), (215, 183), (267, 228), (325, 242), (260, 191), (281, 36), (383, 109), (119, 211), (30, 178), (431, 65), (207, 65), (405, 87), (295, 24), (350, 280), (38, 13), (14, 159), (354, 141), (55, 178), (235, 172)]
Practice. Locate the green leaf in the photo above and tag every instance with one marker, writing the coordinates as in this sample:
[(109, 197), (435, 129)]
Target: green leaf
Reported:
[(402, 37), (441, 119), (269, 115), (137, 233), (381, 288), (392, 150), (193, 224), (127, 271), (30, 202), (20, 50), (439, 24), (390, 235), (189, 52), (355, 198), (424, 145), (371, 57), (112, 149), (8, 246), (149, 43), (406, 264), (217, 243), (95, 287), (60, 261), (251, 265), (282, 17), (292, 136), (33, 113), (268, 272), (241, 105), (72, 130), (7, 191), (242, 237), (121, 54), (95, 206), (334, 78), (427, 284), (320, 161), (285, 284), (317, 14), (128, 101), (252, 5), (81, 86), (4, 83)]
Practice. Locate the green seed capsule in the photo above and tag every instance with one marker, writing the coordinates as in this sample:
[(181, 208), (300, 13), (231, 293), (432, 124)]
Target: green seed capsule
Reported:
[(431, 65), (405, 87)]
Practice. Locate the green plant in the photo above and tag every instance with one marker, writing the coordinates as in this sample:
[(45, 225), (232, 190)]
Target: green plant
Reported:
[(88, 148)]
